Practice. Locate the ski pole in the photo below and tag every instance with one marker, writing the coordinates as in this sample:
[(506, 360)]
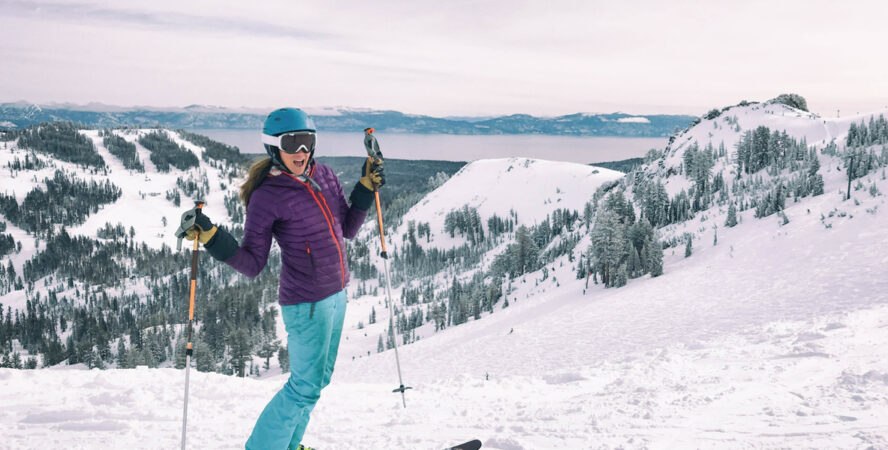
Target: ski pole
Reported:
[(373, 151), (198, 205)]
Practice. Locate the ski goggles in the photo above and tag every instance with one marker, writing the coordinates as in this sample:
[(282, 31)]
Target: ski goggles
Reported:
[(292, 143)]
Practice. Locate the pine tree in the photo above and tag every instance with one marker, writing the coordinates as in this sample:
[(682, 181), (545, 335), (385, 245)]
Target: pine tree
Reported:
[(731, 221), (284, 359), (608, 245), (689, 246), (268, 349), (203, 356), (239, 351), (655, 258), (622, 276), (390, 339), (179, 361)]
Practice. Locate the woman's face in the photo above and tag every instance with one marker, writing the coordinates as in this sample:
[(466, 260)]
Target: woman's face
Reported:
[(296, 162)]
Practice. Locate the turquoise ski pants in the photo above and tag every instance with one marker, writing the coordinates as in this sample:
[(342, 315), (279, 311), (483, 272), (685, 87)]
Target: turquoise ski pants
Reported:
[(313, 332)]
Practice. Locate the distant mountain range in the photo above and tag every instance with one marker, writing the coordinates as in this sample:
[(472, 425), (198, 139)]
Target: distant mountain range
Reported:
[(23, 114)]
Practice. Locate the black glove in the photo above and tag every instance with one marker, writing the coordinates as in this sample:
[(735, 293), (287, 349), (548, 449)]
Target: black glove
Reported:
[(373, 174)]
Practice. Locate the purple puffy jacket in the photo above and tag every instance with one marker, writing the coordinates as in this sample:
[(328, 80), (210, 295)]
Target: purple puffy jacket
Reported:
[(309, 226)]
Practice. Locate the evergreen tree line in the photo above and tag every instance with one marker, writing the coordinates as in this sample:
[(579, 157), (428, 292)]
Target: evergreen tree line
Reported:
[(213, 150), (466, 222), (166, 153), (63, 141), (698, 166), (66, 200), (860, 161), (99, 263), (464, 300), (111, 232), (524, 255), (123, 149), (233, 318), (174, 196), (7, 244), (9, 280), (412, 261), (195, 188), (497, 226), (30, 162), (867, 134), (453, 306), (621, 248), (762, 148), (359, 261), (767, 191), (789, 163)]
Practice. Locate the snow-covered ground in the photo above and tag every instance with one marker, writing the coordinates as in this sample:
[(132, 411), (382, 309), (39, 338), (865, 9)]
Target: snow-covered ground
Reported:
[(773, 338), (821, 383)]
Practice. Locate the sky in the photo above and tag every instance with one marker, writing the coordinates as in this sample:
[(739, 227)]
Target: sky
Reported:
[(454, 58)]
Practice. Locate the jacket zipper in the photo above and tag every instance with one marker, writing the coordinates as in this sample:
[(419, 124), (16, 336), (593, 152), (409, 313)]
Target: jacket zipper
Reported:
[(330, 220), (311, 258)]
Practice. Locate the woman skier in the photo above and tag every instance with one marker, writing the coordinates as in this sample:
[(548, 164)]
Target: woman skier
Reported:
[(299, 203)]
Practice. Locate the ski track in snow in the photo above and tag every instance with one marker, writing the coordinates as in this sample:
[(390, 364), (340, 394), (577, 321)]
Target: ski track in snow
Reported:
[(821, 384)]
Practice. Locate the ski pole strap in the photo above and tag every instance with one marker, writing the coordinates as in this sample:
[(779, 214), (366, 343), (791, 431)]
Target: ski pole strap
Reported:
[(371, 145), (187, 222)]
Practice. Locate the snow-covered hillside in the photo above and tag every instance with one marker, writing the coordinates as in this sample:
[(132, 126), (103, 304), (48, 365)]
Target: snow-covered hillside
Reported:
[(772, 338), (726, 130), (532, 188), (144, 207), (770, 333)]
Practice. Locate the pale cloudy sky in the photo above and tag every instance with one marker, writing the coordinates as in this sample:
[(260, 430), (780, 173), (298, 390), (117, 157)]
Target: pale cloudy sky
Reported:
[(444, 58)]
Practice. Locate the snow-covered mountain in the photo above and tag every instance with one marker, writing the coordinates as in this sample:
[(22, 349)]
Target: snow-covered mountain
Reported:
[(531, 189), (146, 209), (727, 128), (768, 335), (340, 118)]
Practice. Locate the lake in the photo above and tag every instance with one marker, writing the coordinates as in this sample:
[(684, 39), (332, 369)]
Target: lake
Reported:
[(579, 149)]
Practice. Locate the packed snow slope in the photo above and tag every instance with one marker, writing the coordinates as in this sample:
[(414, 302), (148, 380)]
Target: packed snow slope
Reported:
[(772, 336), (776, 343)]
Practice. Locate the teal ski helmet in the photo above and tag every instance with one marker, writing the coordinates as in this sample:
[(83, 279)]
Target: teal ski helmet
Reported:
[(286, 120)]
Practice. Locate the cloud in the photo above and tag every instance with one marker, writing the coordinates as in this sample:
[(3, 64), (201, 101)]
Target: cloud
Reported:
[(164, 20)]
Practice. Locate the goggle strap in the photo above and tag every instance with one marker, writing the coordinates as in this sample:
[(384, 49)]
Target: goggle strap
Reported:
[(274, 141)]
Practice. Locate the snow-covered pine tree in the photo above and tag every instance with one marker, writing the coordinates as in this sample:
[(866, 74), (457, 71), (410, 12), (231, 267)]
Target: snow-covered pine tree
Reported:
[(731, 220)]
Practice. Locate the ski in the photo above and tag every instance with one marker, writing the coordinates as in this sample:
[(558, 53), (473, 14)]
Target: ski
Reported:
[(471, 445)]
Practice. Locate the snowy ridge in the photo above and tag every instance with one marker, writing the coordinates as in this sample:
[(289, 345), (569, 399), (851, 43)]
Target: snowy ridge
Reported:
[(532, 188), (729, 126)]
